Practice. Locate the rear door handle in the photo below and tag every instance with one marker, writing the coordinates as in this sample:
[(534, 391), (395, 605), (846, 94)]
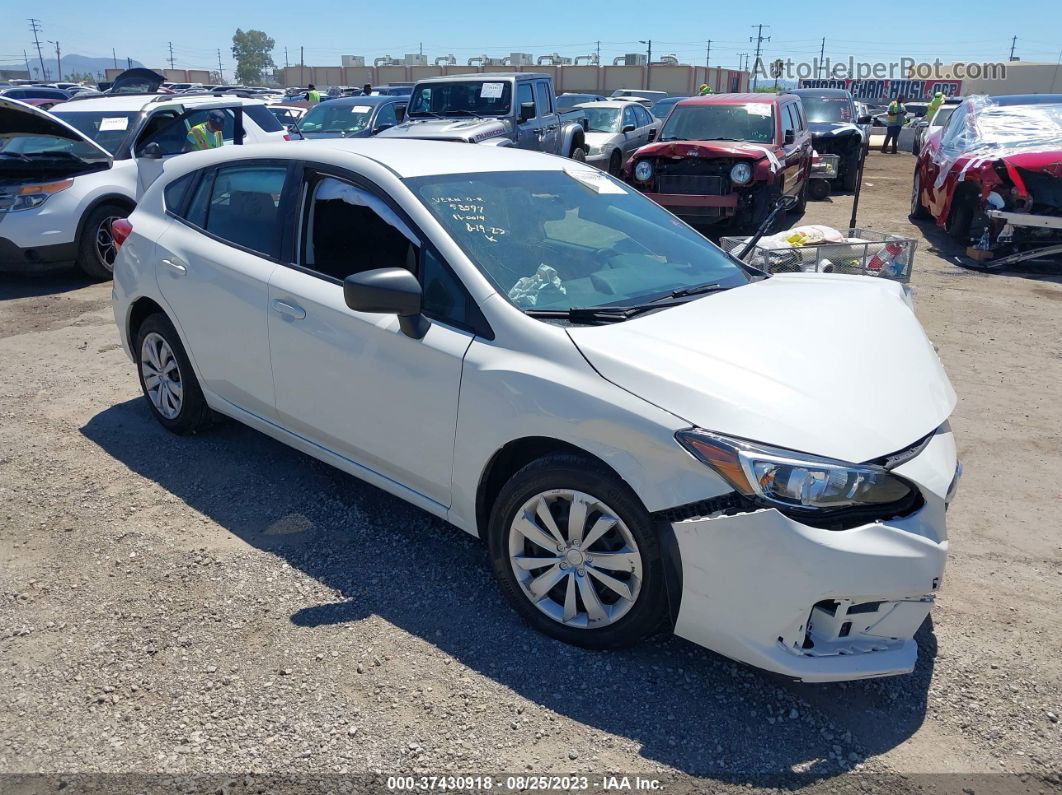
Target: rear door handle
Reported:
[(293, 311), (175, 265)]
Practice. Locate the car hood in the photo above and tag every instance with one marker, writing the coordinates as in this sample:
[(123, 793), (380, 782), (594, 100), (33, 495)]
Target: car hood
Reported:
[(453, 129), (679, 149), (17, 119), (599, 138), (826, 364), (822, 129)]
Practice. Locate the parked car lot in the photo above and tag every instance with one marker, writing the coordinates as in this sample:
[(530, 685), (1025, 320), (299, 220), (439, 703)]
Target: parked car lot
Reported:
[(223, 603)]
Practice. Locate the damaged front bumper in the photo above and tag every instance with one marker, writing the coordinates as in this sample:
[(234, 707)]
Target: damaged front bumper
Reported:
[(814, 604)]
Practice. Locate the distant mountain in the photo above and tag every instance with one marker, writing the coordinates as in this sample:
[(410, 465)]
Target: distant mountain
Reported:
[(82, 64)]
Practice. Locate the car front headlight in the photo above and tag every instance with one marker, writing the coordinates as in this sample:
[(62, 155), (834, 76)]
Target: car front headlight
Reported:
[(798, 481), (598, 149), (643, 171), (27, 197), (741, 173)]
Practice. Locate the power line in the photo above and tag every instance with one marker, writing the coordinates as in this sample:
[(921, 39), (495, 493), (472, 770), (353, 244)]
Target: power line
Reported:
[(760, 38), (35, 26)]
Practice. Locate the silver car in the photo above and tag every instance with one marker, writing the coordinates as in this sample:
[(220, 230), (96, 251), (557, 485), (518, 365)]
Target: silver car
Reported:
[(615, 129)]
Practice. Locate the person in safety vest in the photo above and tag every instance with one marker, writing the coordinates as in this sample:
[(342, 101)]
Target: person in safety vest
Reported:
[(312, 94), (705, 90), (206, 135), (894, 119), (934, 105)]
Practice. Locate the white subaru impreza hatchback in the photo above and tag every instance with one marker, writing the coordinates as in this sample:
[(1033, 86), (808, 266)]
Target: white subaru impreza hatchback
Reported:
[(646, 433)]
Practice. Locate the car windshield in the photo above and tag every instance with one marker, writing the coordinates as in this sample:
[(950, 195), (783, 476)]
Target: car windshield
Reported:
[(471, 98), (750, 122), (561, 239), (331, 117), (109, 129), (664, 106), (940, 118), (827, 109), (606, 120), (569, 101)]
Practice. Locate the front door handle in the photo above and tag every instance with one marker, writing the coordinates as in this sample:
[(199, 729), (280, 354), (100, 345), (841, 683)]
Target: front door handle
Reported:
[(293, 311), (175, 265)]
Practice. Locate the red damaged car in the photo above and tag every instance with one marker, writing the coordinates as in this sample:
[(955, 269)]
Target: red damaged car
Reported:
[(726, 159), (992, 175)]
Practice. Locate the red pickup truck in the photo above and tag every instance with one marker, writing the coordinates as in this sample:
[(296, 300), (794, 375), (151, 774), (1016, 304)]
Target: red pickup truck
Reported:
[(725, 159)]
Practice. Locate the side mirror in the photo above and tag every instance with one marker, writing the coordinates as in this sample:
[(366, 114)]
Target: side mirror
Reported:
[(527, 111), (628, 128), (790, 137), (152, 151), (865, 119), (388, 291), (381, 127)]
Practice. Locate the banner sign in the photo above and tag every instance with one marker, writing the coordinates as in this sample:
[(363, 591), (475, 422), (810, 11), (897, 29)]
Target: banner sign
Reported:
[(872, 89)]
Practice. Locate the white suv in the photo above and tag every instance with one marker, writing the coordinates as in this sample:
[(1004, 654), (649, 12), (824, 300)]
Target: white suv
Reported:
[(66, 175), (534, 351)]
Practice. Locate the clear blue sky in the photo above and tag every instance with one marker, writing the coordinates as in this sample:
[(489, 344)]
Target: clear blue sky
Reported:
[(922, 29)]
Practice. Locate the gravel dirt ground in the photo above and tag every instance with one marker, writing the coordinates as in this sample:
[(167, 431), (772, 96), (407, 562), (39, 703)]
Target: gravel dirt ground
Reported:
[(223, 604)]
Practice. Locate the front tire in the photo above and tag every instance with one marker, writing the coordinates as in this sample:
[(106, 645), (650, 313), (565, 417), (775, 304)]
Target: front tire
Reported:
[(851, 173), (575, 553), (578, 154), (167, 379), (615, 164), (95, 247)]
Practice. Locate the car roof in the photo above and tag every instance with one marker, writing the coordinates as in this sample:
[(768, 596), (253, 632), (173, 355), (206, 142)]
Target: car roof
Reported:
[(487, 76), (732, 99), (820, 92), (611, 103), (370, 99), (404, 157), (137, 102), (1028, 99)]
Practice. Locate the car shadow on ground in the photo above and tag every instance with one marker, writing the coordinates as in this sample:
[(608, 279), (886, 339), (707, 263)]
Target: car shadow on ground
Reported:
[(945, 246), (686, 707), (35, 285)]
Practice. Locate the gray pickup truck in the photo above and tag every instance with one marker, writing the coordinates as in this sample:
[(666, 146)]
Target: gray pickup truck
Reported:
[(505, 109)]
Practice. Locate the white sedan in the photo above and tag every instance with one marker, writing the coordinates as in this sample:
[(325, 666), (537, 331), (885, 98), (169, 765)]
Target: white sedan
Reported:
[(645, 432)]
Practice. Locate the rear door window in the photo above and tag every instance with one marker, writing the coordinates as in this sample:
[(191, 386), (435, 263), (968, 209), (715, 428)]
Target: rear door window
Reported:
[(261, 116), (543, 102), (243, 207)]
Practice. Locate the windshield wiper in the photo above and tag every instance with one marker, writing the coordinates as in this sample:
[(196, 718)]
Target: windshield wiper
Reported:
[(418, 113), (600, 314), (17, 155), (697, 289), (464, 112), (674, 138)]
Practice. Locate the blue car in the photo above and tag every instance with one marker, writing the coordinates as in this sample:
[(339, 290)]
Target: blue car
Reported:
[(353, 117)]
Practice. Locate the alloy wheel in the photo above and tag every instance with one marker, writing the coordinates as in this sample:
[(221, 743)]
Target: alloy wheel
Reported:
[(106, 249), (162, 376), (575, 559)]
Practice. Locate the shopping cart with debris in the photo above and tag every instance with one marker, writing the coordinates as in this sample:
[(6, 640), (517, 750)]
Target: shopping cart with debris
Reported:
[(865, 252)]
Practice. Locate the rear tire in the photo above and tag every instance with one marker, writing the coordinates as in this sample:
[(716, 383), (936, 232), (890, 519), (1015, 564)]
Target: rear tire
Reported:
[(918, 210), (625, 595), (95, 246), (819, 189), (167, 379)]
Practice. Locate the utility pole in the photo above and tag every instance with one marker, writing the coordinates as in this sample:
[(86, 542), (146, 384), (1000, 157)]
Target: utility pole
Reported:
[(171, 55), (35, 26), (285, 62), (128, 62), (1013, 42), (114, 57), (221, 73), (302, 65), (29, 72), (759, 39), (822, 57), (648, 61), (597, 54), (58, 60), (708, 55)]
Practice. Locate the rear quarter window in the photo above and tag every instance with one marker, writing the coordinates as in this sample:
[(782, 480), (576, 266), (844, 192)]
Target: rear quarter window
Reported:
[(261, 116), (173, 196)]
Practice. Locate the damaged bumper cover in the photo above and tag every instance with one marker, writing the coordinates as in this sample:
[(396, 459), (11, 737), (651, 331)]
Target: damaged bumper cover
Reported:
[(814, 604)]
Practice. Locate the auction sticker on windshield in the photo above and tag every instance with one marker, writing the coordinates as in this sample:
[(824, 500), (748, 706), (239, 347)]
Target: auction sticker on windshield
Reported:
[(361, 109), (492, 90), (113, 123), (758, 109)]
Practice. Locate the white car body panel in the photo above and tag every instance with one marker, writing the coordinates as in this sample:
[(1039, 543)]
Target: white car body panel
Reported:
[(834, 367), (778, 361)]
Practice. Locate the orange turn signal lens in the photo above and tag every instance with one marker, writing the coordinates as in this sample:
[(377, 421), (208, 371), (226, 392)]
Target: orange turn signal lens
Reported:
[(46, 188)]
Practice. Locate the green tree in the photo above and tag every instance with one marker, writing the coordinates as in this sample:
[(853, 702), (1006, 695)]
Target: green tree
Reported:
[(252, 50)]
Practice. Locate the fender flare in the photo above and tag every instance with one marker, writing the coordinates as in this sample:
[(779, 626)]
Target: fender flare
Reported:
[(107, 198), (571, 135)]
